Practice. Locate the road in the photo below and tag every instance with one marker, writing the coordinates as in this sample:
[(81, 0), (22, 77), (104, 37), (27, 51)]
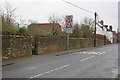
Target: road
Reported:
[(99, 62)]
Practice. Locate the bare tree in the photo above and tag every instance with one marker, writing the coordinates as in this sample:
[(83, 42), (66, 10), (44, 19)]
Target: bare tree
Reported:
[(76, 30), (86, 21), (53, 21), (85, 30), (63, 22), (8, 17), (9, 12)]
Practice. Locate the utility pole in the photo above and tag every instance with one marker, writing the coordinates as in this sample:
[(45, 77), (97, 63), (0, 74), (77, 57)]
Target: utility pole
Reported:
[(95, 31), (117, 35)]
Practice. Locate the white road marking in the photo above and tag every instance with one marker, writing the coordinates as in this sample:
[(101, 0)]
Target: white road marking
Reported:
[(87, 58), (91, 57), (50, 71), (98, 53), (101, 53), (84, 59)]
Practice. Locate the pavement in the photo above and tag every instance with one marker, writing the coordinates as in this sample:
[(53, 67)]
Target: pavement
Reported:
[(96, 62)]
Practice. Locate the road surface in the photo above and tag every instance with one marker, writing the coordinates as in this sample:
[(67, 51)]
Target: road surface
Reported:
[(99, 62)]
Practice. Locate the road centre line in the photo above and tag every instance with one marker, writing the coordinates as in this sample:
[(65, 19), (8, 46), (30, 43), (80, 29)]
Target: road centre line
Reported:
[(50, 71), (101, 53), (64, 66), (87, 58), (84, 59)]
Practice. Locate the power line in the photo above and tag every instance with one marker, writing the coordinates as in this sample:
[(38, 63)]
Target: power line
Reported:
[(86, 9), (78, 7)]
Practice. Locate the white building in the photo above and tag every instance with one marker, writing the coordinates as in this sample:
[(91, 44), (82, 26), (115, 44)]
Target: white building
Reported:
[(109, 36), (102, 30)]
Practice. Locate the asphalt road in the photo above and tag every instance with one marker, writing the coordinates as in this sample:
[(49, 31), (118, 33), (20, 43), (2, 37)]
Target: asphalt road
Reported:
[(99, 62)]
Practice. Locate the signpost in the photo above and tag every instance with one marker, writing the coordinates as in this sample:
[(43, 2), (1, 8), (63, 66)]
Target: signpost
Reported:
[(69, 25)]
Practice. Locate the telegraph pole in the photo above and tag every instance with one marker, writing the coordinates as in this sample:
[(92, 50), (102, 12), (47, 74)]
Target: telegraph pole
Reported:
[(117, 35), (95, 31)]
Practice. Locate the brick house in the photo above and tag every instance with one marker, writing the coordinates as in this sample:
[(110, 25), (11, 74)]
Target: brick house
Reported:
[(54, 27)]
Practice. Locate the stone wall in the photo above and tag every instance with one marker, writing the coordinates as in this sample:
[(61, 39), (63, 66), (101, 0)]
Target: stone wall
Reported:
[(48, 45), (14, 46)]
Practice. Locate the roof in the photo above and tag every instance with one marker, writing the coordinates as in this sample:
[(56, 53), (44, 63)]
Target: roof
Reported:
[(45, 23), (32, 26)]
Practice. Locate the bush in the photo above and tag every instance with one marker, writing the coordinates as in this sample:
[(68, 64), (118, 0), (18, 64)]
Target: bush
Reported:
[(21, 31)]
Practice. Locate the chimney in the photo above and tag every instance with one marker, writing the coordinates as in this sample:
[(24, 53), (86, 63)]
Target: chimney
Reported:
[(110, 28), (106, 26), (102, 22)]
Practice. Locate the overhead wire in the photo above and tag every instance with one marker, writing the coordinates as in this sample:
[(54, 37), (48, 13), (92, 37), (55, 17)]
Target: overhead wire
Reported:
[(85, 9), (79, 7)]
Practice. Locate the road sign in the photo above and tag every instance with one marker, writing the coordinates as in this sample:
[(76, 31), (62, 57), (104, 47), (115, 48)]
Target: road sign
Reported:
[(69, 21), (69, 30), (69, 25)]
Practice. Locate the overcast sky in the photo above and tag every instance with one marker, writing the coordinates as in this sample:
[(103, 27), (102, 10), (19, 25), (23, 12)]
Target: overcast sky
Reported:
[(40, 10)]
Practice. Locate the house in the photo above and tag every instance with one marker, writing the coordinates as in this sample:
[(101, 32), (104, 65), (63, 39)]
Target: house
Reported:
[(111, 35), (114, 37), (104, 32), (55, 28), (100, 30)]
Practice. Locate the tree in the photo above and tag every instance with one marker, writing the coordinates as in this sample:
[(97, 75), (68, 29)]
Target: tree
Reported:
[(53, 21), (86, 21), (76, 30), (82, 30), (85, 32), (8, 18)]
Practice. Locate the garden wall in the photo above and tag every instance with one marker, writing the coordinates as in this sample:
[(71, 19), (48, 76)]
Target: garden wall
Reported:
[(54, 44), (14, 46)]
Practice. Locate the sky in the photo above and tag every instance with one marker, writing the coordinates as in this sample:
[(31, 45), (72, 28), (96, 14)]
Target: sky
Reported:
[(40, 10)]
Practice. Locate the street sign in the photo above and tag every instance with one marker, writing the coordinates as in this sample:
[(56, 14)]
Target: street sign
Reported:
[(69, 25), (69, 30), (69, 21)]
